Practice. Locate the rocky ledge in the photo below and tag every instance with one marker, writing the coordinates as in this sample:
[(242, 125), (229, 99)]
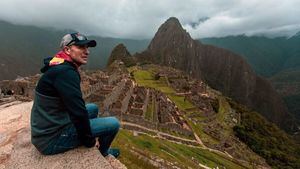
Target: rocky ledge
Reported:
[(16, 150)]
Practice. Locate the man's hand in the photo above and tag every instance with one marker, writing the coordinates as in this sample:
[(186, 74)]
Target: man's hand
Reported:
[(88, 141), (97, 143)]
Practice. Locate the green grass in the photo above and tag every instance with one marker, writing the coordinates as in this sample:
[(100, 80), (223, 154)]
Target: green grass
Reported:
[(146, 78), (149, 111), (198, 129), (224, 109), (178, 154), (179, 101)]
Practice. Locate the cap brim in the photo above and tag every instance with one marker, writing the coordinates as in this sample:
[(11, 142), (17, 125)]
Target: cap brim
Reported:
[(90, 43)]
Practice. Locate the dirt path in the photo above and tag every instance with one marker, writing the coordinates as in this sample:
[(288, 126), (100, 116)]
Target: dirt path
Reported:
[(179, 139)]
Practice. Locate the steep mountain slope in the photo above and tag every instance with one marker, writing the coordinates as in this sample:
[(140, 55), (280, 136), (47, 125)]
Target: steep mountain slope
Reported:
[(293, 49), (267, 58), (287, 84), (220, 68), (24, 47), (275, 58)]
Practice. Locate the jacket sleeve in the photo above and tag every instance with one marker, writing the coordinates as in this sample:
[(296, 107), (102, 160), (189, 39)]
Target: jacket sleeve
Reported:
[(67, 84)]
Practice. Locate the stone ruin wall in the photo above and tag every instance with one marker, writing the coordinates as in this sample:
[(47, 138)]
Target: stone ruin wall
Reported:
[(139, 101), (170, 117), (118, 101), (129, 103), (113, 96), (175, 127), (200, 98), (125, 102), (180, 85), (19, 89), (138, 120), (116, 77)]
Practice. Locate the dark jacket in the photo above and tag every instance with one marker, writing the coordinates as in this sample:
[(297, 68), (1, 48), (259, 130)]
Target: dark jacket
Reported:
[(58, 104)]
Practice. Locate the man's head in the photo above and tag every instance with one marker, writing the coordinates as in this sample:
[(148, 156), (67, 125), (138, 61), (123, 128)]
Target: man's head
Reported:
[(76, 46)]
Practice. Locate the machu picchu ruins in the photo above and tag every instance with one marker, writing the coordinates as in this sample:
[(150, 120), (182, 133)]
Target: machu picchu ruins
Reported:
[(161, 101), (168, 112)]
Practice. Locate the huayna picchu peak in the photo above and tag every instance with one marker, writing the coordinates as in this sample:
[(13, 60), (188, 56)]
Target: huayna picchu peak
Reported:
[(221, 69), (118, 53)]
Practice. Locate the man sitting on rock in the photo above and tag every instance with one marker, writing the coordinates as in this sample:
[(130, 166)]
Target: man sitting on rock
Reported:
[(60, 120)]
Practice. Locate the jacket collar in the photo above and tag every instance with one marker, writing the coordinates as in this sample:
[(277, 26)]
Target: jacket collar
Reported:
[(66, 57)]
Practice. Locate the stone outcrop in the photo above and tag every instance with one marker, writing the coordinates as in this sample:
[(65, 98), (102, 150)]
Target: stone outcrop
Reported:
[(16, 150), (220, 69), (120, 53)]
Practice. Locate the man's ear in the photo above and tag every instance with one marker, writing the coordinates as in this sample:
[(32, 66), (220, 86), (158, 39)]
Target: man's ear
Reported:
[(67, 49)]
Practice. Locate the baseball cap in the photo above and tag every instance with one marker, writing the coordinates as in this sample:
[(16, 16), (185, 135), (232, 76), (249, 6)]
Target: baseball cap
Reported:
[(76, 39)]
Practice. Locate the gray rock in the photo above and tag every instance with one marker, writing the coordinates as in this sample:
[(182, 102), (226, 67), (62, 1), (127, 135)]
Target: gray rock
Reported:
[(25, 155)]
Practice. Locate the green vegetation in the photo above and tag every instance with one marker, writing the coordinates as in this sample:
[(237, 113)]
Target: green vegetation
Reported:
[(287, 76), (267, 140), (287, 83), (267, 56), (149, 111), (146, 78), (135, 149), (198, 129), (292, 102), (223, 108)]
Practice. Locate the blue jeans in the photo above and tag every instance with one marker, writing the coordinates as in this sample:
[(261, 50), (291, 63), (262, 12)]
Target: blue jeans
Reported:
[(105, 128)]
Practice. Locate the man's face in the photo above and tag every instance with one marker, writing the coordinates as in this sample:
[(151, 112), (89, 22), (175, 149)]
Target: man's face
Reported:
[(79, 54)]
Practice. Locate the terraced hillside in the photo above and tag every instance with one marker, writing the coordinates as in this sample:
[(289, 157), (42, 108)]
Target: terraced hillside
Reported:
[(206, 111), (163, 109)]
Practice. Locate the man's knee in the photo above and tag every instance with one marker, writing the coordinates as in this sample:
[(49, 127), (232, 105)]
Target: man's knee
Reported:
[(92, 109), (115, 123)]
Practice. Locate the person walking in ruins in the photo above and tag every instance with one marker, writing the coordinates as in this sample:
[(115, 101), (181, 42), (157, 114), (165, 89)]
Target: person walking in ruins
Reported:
[(60, 120)]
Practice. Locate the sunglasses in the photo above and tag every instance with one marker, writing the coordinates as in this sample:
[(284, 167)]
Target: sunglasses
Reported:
[(76, 37)]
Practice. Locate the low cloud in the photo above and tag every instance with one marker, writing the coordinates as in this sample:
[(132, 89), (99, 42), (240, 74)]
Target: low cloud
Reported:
[(138, 19)]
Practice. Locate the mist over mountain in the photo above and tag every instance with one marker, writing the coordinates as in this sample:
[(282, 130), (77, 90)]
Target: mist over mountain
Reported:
[(24, 47)]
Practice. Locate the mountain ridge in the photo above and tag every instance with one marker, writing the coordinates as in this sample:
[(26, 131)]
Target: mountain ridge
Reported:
[(26, 46)]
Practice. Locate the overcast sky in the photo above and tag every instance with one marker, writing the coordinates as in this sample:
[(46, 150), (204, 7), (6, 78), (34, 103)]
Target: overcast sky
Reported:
[(140, 19)]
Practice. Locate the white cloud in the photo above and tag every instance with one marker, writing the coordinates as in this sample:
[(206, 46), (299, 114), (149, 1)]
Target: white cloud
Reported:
[(141, 18)]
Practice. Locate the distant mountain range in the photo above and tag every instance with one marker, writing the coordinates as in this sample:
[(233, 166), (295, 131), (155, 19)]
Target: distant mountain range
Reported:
[(24, 47)]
